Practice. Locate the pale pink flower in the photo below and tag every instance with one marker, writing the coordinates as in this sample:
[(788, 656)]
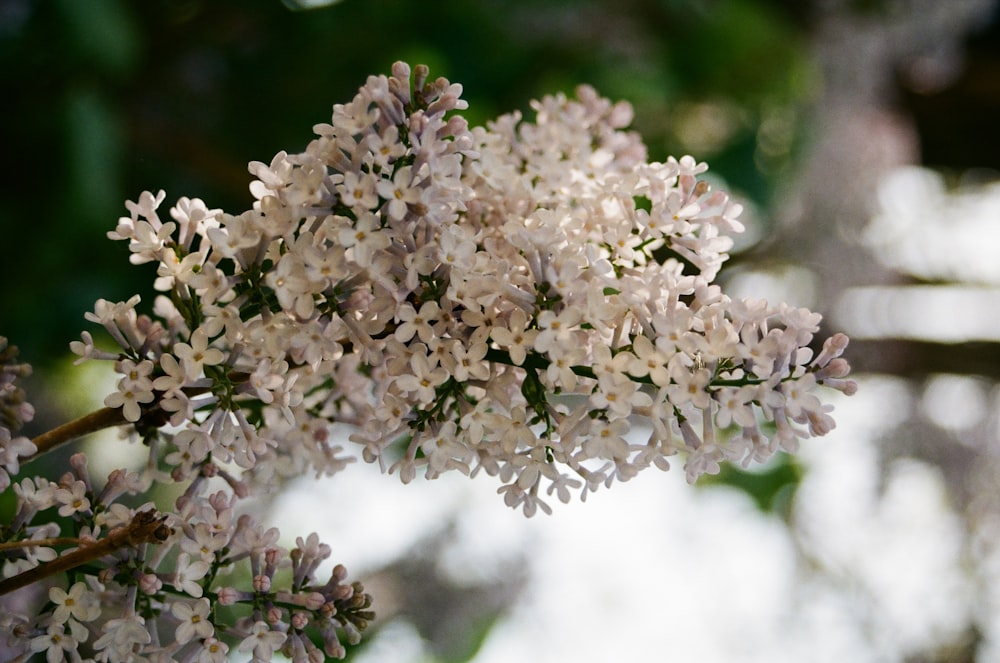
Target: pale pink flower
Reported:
[(193, 620), (73, 499), (196, 355), (262, 641), (57, 643), (77, 603), (188, 573), (365, 238), (121, 636), (515, 337)]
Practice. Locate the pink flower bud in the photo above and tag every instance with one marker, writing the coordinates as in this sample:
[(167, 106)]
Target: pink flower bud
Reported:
[(149, 583), (300, 620), (261, 583), (314, 600), (228, 596)]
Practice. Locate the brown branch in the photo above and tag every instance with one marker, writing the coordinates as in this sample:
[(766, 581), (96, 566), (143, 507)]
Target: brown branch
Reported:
[(152, 416), (88, 423), (145, 527)]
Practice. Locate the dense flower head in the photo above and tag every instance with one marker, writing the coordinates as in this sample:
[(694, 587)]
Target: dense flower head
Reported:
[(518, 298), (532, 299)]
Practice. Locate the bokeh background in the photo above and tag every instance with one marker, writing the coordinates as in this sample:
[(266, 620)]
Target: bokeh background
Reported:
[(863, 137)]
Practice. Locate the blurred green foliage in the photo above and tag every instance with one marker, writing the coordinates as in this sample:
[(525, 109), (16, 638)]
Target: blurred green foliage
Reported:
[(771, 487)]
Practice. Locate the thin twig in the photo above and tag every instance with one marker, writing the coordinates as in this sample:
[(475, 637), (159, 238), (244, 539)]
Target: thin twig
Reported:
[(145, 527), (31, 543)]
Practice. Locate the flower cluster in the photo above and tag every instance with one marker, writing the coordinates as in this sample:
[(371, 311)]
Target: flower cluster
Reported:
[(183, 586), (14, 413), (513, 299), (510, 299)]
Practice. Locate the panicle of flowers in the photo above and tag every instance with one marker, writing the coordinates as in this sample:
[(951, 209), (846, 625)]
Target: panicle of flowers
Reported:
[(513, 299), (533, 299)]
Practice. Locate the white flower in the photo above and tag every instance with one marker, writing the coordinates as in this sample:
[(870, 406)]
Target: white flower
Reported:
[(86, 349), (419, 323), (619, 395), (73, 499), (703, 460), (357, 191), (12, 449), (735, 406), (423, 380), (36, 494), (515, 337), (210, 283), (237, 237), (130, 399), (194, 622), (119, 319), (192, 217), (203, 542), (57, 643), (292, 285), (512, 431), (174, 270), (690, 385), (468, 362), (196, 355), (193, 446), (799, 397), (117, 515), (77, 603), (385, 147), (400, 192), (365, 238), (560, 371), (606, 439), (188, 574), (256, 539), (266, 379), (558, 331), (444, 452), (213, 651), (262, 641), (174, 377), (649, 361), (120, 638), (457, 247), (134, 388)]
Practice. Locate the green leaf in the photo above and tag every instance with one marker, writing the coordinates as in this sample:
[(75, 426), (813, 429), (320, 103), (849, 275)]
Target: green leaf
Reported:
[(771, 486)]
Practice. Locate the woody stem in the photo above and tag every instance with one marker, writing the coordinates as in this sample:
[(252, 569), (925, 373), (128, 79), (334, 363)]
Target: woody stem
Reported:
[(88, 423)]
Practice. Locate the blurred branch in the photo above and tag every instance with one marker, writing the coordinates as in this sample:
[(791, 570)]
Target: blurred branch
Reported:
[(917, 359)]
